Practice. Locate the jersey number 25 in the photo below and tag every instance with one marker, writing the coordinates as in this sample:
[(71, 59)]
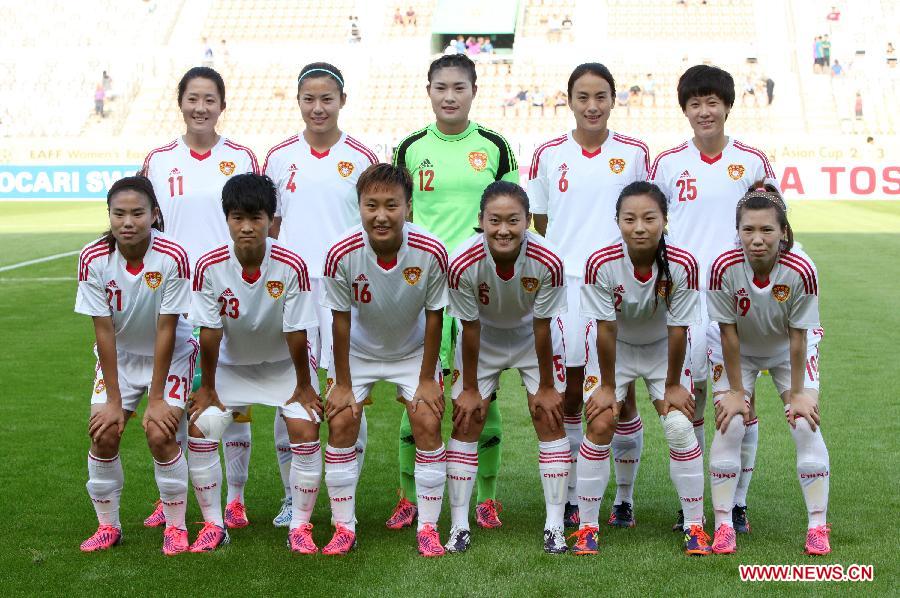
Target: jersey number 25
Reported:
[(687, 189)]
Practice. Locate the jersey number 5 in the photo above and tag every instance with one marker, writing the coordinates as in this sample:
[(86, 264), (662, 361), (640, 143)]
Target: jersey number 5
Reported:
[(687, 189), (229, 307), (426, 177)]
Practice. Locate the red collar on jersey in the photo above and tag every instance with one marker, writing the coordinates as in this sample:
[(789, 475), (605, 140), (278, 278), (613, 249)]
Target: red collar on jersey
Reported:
[(588, 154), (761, 284), (506, 273), (199, 156), (386, 265), (134, 271), (643, 277), (318, 154), (709, 160), (251, 278)]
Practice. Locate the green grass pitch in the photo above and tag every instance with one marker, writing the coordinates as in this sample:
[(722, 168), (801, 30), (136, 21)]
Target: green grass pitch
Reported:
[(46, 375)]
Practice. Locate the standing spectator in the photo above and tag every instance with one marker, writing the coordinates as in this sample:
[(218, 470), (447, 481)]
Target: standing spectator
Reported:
[(826, 51), (460, 45), (836, 69), (398, 17), (355, 35), (107, 81), (891, 55), (858, 106), (99, 96), (207, 54), (487, 47), (473, 48), (749, 90), (411, 17), (770, 90), (833, 16), (650, 87)]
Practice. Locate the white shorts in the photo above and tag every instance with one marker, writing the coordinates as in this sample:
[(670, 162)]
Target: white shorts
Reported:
[(136, 373), (240, 386), (650, 362), (320, 338), (574, 324), (503, 349), (403, 372), (779, 366)]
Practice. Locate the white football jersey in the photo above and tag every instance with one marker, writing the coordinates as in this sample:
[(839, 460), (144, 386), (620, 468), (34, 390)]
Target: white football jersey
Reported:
[(387, 306), (255, 315), (188, 187), (578, 191), (536, 288), (703, 194), (763, 310), (316, 193), (613, 291), (134, 298)]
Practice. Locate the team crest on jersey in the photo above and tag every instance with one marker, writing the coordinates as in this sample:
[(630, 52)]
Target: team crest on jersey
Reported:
[(736, 171), (100, 386), (616, 165), (455, 377), (478, 160), (781, 292), (345, 169), (664, 288), (717, 372), (227, 168), (275, 288), (329, 384), (530, 284), (589, 383), (412, 275), (153, 280)]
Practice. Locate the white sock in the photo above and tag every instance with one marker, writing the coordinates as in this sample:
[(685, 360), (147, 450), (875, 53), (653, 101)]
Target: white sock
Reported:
[(724, 469), (172, 481), (554, 463), (462, 468), (283, 453), (431, 473), (206, 477), (574, 433), (699, 408), (593, 478), (236, 441), (626, 445), (104, 486), (685, 465), (341, 477), (306, 473), (361, 441), (748, 461), (812, 470)]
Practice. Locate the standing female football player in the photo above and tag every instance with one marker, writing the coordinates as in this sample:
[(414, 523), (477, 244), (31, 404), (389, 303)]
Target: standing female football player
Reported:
[(135, 283), (188, 175), (507, 287), (573, 184), (386, 284), (315, 173), (764, 296), (452, 161), (641, 295)]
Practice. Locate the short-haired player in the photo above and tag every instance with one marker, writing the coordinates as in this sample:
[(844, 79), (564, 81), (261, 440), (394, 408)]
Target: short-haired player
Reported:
[(135, 284), (573, 183), (641, 295), (386, 284), (315, 172), (764, 295), (253, 303), (704, 177), (188, 174), (507, 287)]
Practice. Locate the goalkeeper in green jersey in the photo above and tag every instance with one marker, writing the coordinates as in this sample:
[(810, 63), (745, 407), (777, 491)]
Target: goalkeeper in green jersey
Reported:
[(451, 161)]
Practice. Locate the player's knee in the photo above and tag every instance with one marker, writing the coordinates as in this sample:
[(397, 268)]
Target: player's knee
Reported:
[(107, 444), (679, 431), (342, 429), (158, 440), (600, 430), (211, 424)]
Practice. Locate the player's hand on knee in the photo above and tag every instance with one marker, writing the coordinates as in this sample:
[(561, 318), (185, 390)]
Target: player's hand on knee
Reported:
[(603, 398), (676, 396), (108, 417), (429, 393), (733, 402), (309, 399), (548, 400), (203, 398), (162, 415), (803, 405), (468, 405), (340, 398)]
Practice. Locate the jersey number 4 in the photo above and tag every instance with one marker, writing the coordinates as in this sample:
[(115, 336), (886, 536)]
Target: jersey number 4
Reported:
[(687, 189), (229, 307), (291, 185)]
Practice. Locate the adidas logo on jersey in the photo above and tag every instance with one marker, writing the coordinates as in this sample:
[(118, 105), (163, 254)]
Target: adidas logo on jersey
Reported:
[(361, 278), (685, 174), (112, 285), (174, 172), (742, 292), (563, 167), (620, 289), (426, 163), (293, 168), (227, 293)]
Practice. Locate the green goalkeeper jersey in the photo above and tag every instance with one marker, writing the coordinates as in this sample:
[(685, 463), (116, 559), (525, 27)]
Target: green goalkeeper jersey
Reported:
[(449, 174)]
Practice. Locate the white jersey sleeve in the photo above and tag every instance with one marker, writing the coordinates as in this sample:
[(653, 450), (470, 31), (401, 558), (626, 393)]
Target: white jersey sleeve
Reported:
[(538, 183), (337, 295), (550, 299), (720, 296), (299, 306), (684, 290), (804, 303), (463, 302), (176, 292), (205, 310), (436, 295), (90, 299), (597, 300)]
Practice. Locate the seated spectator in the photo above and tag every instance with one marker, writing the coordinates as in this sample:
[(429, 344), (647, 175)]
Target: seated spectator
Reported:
[(559, 101), (473, 48), (834, 15), (510, 99), (891, 55), (650, 87), (460, 45), (487, 47), (622, 97), (836, 69), (537, 101), (398, 17), (411, 17), (566, 22)]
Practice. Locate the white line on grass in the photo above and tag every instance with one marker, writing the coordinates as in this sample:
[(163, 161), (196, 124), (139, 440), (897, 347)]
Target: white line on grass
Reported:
[(39, 260), (38, 279)]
